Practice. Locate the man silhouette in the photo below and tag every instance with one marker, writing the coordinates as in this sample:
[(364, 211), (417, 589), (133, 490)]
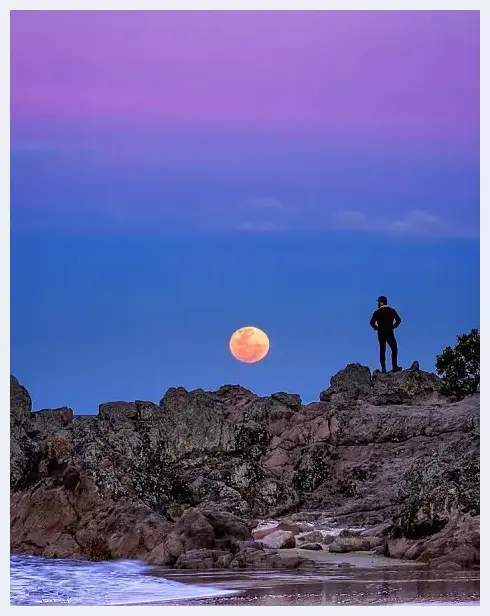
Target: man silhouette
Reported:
[(385, 320)]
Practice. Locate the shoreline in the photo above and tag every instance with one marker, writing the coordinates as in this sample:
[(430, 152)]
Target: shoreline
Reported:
[(361, 560), (369, 580)]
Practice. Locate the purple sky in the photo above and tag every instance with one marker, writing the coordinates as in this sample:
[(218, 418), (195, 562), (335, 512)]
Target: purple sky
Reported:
[(365, 120), (398, 74)]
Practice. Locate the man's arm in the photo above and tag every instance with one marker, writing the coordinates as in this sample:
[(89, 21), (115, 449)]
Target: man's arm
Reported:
[(373, 322), (397, 319)]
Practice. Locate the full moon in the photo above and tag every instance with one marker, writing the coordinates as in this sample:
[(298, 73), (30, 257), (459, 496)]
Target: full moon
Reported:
[(249, 344)]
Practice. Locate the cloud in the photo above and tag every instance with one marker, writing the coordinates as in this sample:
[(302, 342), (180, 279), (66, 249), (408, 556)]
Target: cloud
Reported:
[(259, 226), (416, 224), (264, 203), (264, 214)]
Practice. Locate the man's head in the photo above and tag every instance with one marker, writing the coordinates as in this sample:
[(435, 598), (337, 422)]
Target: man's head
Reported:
[(382, 301)]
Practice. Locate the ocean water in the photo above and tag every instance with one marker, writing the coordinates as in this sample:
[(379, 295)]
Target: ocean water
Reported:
[(42, 581)]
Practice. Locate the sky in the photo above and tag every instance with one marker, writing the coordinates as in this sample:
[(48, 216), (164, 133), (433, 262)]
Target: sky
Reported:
[(178, 175)]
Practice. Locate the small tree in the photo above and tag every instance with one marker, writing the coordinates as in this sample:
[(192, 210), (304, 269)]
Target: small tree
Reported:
[(459, 366)]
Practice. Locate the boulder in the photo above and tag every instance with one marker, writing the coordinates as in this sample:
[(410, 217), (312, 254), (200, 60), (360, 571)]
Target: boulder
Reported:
[(350, 544), (311, 546), (259, 534), (314, 536), (279, 540)]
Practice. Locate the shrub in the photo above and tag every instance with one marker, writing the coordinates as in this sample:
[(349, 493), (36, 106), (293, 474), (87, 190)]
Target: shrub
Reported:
[(459, 366)]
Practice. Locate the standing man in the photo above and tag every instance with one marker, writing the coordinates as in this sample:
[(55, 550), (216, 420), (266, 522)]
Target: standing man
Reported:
[(385, 320)]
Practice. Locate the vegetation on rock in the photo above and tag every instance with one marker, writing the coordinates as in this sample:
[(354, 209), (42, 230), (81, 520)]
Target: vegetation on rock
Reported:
[(459, 366)]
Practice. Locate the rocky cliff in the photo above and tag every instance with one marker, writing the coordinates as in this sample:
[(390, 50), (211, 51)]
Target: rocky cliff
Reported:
[(180, 482)]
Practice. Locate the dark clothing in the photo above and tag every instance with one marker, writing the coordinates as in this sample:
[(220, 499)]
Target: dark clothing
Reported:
[(384, 321), (389, 338)]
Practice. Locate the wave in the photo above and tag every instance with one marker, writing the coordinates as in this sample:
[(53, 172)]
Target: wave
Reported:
[(35, 580)]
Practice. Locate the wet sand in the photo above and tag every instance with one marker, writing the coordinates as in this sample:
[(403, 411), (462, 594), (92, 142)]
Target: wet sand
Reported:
[(363, 560), (369, 580)]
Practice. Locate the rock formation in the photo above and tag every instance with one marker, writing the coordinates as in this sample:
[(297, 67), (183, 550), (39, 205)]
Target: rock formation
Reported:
[(180, 482)]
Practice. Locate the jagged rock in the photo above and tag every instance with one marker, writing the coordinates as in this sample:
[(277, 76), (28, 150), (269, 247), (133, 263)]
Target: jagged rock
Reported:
[(47, 521), (47, 422), (407, 386), (293, 401), (205, 463), (440, 484), (346, 386), (458, 542), (22, 450)]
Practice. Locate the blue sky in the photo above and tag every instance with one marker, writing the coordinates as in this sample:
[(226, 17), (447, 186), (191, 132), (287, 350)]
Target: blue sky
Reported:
[(105, 317)]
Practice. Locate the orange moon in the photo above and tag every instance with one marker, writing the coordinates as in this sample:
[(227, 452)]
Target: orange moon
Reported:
[(249, 344)]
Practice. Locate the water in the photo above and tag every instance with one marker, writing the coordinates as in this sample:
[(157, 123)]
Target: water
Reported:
[(328, 585), (40, 581)]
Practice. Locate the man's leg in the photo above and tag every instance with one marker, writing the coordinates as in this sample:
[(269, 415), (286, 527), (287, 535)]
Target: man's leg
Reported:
[(382, 351), (391, 340)]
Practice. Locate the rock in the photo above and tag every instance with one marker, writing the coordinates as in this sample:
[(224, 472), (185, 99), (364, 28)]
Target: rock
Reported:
[(457, 542), (47, 522), (195, 531), (279, 540), (385, 452), (380, 530), (314, 536), (407, 386), (350, 544), (449, 566), (293, 401), (355, 382), (311, 546), (226, 525), (440, 484), (350, 383), (23, 451), (258, 559), (305, 516), (71, 478), (197, 559), (350, 532), (294, 528), (259, 534), (397, 548)]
